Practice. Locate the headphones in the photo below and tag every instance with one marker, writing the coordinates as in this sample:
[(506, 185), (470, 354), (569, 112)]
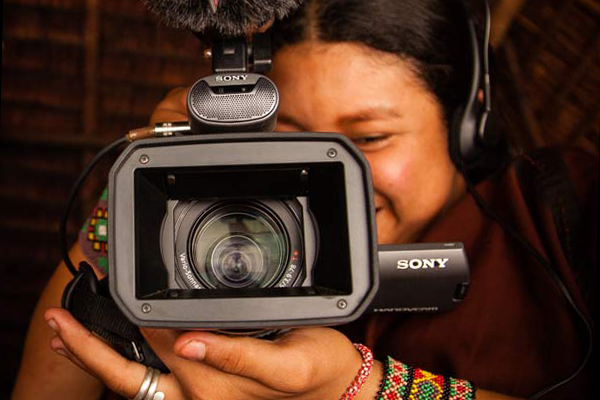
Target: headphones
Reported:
[(474, 140)]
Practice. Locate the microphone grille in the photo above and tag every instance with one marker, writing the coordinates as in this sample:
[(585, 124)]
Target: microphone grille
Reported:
[(233, 107)]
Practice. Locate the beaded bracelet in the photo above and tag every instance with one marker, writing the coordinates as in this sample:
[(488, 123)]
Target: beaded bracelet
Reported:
[(401, 382), (363, 372)]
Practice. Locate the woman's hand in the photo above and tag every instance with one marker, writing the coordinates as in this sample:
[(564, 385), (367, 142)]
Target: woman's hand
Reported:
[(172, 108), (310, 363)]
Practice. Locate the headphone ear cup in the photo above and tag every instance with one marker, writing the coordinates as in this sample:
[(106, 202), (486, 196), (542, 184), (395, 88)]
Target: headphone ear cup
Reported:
[(491, 136), (468, 142), (476, 153), (464, 146), (454, 136)]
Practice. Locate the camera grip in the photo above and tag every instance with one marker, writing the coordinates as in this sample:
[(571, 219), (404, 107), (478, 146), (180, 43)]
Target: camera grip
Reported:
[(89, 301)]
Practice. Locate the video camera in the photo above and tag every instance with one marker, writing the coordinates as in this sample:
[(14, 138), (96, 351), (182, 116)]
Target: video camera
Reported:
[(222, 224)]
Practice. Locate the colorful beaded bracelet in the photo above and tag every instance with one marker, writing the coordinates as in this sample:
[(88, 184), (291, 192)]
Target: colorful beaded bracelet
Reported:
[(363, 372), (401, 382)]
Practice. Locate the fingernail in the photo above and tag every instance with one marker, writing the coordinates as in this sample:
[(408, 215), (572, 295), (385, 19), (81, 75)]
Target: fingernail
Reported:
[(58, 346), (193, 350), (61, 351), (53, 325)]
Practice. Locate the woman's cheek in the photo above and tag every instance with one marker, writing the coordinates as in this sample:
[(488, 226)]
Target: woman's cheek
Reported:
[(400, 183), (392, 170), (391, 181)]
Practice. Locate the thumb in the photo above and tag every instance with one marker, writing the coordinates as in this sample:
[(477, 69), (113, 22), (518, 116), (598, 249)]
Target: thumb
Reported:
[(257, 359)]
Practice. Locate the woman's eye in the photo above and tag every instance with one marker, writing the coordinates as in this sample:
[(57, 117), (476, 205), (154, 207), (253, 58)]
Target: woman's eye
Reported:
[(370, 140)]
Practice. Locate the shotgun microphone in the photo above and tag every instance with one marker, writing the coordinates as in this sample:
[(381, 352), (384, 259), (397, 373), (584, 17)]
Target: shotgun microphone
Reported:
[(227, 17)]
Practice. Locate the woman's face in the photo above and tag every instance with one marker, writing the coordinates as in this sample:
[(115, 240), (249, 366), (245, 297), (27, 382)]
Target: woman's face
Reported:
[(377, 101)]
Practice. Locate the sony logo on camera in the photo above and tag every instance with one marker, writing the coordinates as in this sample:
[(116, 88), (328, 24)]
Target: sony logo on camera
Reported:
[(422, 263), (421, 277), (230, 78)]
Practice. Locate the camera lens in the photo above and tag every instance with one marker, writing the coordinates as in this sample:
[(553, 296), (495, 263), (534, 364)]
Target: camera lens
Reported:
[(237, 261), (239, 246)]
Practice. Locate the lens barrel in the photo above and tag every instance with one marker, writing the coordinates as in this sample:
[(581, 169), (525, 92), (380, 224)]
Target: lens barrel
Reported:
[(233, 244)]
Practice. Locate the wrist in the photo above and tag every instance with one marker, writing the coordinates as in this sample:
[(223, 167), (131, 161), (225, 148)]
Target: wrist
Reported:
[(372, 384), (363, 373)]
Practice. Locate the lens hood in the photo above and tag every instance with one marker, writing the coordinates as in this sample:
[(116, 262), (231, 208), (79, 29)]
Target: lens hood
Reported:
[(324, 173)]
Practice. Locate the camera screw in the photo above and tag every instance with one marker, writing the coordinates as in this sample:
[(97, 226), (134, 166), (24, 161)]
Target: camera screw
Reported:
[(171, 179), (146, 308), (303, 176), (331, 153), (144, 159), (342, 304)]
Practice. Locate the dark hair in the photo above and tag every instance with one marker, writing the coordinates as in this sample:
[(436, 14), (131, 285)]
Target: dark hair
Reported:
[(430, 34)]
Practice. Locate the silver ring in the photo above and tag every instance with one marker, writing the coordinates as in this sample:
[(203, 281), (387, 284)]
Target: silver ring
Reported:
[(153, 385), (148, 387), (145, 384)]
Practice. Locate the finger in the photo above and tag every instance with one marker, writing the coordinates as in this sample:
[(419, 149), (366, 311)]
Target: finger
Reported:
[(162, 338), (172, 108), (199, 380), (260, 360), (59, 347), (119, 374), (161, 341)]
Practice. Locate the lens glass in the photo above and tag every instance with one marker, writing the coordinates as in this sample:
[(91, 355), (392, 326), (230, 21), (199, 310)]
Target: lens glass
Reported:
[(239, 247), (237, 261)]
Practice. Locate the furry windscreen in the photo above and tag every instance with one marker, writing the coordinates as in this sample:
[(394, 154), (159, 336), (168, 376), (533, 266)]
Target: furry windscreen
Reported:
[(228, 17)]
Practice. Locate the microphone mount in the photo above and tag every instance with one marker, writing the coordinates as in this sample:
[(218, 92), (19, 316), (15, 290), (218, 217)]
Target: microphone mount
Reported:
[(242, 54)]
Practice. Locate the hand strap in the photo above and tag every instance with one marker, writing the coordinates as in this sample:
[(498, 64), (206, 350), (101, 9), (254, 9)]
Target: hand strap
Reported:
[(89, 301)]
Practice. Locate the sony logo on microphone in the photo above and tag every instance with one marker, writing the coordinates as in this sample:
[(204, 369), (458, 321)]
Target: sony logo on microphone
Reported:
[(422, 263), (230, 78)]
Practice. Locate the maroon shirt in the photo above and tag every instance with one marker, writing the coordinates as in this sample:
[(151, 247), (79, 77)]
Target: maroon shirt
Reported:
[(514, 333)]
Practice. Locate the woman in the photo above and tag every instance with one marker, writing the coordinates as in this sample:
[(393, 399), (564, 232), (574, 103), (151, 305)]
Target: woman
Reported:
[(389, 75)]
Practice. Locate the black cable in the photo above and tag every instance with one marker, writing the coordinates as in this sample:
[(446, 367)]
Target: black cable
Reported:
[(71, 199), (547, 265)]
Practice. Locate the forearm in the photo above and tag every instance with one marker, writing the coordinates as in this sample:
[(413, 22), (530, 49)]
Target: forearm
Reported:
[(43, 373)]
